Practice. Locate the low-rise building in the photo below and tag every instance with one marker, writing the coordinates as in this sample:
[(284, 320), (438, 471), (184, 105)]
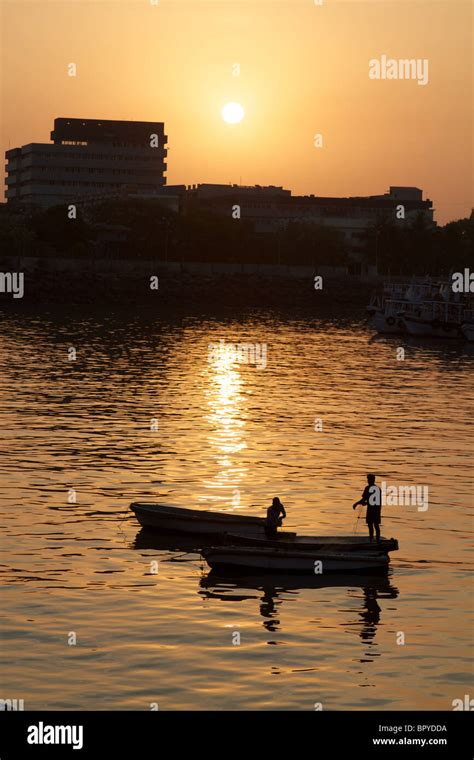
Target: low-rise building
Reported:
[(271, 209)]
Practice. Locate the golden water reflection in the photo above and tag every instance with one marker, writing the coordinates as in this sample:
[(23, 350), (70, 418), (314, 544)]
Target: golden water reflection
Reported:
[(226, 416), (273, 592)]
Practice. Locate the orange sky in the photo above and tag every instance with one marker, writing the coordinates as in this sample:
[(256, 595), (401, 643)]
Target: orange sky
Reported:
[(303, 70)]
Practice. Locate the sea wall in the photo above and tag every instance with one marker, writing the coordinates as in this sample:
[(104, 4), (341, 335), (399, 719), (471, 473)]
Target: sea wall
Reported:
[(152, 282)]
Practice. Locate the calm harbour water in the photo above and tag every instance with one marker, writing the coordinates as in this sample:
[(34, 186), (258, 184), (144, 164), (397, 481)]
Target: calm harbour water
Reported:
[(230, 437)]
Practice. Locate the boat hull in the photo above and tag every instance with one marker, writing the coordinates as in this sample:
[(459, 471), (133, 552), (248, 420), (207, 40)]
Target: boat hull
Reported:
[(290, 542), (278, 561), (425, 328), (164, 518), (392, 325)]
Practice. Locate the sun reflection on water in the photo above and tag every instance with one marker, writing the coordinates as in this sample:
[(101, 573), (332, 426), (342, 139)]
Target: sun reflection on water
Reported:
[(227, 419)]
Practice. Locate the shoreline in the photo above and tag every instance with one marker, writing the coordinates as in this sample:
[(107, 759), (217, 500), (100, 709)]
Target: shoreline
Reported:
[(153, 286)]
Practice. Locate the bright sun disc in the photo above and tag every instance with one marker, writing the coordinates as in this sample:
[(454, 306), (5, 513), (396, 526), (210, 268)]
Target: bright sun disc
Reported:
[(232, 113)]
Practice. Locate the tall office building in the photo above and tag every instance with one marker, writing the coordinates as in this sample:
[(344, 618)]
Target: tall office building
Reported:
[(88, 157)]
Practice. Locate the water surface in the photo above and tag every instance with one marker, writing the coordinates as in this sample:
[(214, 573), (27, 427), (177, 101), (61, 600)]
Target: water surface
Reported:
[(141, 414)]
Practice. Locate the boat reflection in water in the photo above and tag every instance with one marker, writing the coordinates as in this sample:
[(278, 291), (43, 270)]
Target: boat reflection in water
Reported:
[(272, 590), (179, 542)]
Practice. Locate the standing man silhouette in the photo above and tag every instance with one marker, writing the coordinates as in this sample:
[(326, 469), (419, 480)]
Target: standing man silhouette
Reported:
[(372, 498)]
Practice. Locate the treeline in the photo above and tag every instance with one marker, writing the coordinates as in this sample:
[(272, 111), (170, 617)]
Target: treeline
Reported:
[(143, 229), (419, 248)]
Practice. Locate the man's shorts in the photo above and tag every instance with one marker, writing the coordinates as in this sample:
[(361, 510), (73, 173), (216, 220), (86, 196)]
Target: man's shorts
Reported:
[(373, 515)]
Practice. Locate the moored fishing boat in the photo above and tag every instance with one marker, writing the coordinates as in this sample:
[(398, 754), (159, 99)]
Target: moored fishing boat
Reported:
[(387, 310), (245, 558), (436, 319), (382, 314), (392, 319)]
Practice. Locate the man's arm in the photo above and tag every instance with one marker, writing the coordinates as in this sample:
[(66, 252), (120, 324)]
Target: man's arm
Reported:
[(362, 501)]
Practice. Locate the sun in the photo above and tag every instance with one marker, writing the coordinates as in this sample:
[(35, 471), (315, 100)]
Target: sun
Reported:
[(233, 113)]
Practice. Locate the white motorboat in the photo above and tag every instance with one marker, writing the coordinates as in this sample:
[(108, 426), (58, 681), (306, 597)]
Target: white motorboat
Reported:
[(387, 310), (436, 319)]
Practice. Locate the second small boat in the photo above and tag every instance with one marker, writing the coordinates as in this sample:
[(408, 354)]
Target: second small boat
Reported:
[(244, 558), (292, 542)]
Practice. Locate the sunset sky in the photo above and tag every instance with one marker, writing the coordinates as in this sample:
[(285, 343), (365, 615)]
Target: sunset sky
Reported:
[(303, 70)]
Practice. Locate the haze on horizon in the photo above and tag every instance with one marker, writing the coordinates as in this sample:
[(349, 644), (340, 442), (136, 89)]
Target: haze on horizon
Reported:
[(303, 71)]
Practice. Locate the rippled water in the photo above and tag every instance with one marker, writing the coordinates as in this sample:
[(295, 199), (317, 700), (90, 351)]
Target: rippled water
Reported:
[(229, 436)]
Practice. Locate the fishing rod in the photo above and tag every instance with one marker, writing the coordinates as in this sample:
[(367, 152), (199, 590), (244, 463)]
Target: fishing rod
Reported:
[(356, 523)]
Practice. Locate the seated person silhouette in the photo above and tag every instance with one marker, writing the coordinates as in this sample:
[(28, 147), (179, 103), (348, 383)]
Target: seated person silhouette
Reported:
[(275, 514)]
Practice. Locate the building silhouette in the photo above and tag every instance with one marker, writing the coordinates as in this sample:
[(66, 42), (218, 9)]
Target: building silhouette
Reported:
[(91, 160), (272, 209), (88, 157)]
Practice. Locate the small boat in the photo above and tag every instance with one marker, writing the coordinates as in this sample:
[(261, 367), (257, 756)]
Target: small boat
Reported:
[(290, 541), (244, 558), (164, 517)]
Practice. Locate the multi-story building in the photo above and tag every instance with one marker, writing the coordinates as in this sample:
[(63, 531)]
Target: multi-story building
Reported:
[(88, 157)]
